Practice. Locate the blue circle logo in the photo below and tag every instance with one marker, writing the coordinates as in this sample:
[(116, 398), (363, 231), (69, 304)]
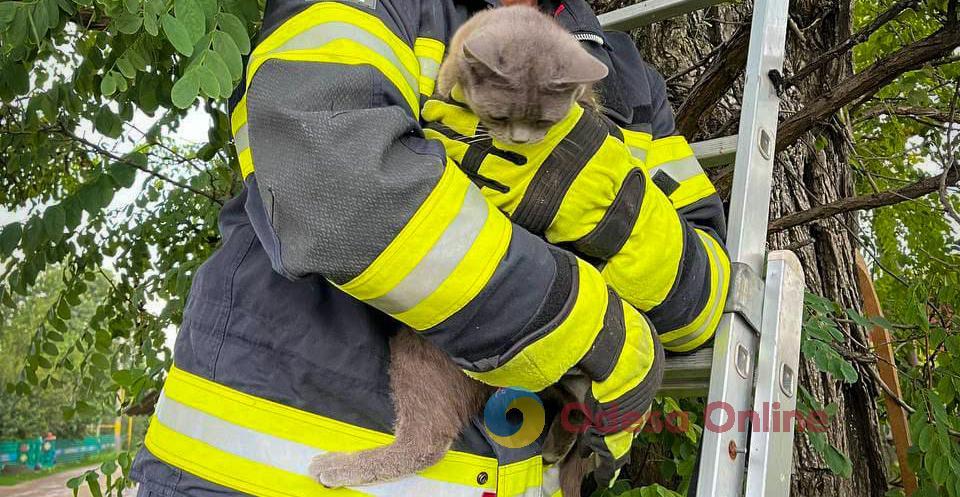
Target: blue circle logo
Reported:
[(514, 417)]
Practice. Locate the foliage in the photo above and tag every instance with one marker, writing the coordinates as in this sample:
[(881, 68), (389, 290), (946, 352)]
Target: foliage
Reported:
[(62, 398)]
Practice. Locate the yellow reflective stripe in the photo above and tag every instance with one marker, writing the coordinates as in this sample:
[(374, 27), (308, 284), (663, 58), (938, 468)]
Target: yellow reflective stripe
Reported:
[(468, 279), (592, 192), (639, 143), (441, 259), (520, 479), (241, 137), (336, 33), (437, 264), (703, 326), (415, 239), (238, 116), (635, 359), (674, 156), (458, 119), (654, 249), (619, 443), (429, 54), (541, 363), (215, 431), (245, 157)]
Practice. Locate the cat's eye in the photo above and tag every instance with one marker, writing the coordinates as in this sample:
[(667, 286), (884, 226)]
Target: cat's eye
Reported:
[(499, 119)]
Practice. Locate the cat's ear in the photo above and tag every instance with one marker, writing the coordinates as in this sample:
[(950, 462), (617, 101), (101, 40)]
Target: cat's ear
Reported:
[(581, 69), (481, 52)]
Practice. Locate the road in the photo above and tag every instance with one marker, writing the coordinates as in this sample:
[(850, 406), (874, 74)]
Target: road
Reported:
[(53, 486)]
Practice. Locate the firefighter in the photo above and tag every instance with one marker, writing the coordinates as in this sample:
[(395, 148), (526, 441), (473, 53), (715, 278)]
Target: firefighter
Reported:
[(352, 224)]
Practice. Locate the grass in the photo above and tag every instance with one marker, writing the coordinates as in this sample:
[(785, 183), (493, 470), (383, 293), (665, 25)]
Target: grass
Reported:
[(9, 480)]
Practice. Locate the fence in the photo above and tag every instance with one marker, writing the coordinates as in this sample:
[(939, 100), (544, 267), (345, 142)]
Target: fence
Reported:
[(38, 453)]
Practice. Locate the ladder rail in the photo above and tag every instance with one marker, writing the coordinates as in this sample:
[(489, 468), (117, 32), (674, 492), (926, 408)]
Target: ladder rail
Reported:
[(650, 11), (723, 457)]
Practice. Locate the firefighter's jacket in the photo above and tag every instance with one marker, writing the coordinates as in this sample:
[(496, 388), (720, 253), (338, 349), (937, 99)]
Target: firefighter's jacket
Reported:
[(352, 224)]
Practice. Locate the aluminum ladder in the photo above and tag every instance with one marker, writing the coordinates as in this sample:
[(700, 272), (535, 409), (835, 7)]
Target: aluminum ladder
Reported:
[(753, 364)]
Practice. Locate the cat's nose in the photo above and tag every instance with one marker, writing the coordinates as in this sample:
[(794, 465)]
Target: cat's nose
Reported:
[(518, 135)]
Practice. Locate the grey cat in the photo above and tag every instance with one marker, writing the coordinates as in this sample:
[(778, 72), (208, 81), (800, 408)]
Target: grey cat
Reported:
[(520, 72)]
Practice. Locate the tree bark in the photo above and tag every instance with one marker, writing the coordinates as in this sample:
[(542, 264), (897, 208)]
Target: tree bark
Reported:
[(812, 171)]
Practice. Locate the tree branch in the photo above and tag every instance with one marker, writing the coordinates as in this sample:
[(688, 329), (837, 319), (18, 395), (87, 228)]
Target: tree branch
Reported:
[(858, 38), (905, 111), (106, 153), (716, 80), (872, 201), (868, 82)]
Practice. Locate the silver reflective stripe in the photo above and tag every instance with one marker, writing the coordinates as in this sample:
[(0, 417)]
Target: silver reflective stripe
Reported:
[(284, 454), (441, 260), (242, 139), (429, 68), (640, 153), (551, 480), (680, 170), (714, 306), (327, 32)]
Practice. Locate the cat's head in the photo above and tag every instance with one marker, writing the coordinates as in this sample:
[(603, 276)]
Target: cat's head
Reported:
[(521, 77)]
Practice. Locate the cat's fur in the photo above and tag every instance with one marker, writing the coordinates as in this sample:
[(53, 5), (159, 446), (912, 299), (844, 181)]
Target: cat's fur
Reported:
[(520, 72)]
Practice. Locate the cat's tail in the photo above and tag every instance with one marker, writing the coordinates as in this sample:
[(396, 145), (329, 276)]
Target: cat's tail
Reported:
[(434, 400), (390, 462)]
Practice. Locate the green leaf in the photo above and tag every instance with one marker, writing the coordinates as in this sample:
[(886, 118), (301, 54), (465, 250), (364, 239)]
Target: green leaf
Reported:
[(132, 6), (191, 15), (8, 11), (185, 90), (32, 235), (16, 77), (128, 23), (126, 67), (208, 82), (54, 220), (90, 198), (218, 67), (837, 461), (99, 360), (177, 34), (76, 481), (10, 238), (50, 349), (107, 123), (123, 174), (105, 191), (53, 13), (150, 24), (233, 26), (224, 45)]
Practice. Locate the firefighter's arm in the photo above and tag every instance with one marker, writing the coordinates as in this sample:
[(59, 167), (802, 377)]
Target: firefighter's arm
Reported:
[(348, 188), (582, 188)]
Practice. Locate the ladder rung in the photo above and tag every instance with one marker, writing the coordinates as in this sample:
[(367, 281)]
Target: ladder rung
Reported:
[(688, 374), (651, 11), (716, 152)]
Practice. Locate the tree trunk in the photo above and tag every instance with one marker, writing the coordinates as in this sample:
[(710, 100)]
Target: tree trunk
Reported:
[(811, 172)]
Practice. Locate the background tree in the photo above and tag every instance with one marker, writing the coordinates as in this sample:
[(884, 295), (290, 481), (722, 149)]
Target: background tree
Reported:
[(94, 91), (66, 401)]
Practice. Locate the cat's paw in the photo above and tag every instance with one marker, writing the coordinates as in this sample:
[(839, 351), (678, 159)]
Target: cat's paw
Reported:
[(334, 470)]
